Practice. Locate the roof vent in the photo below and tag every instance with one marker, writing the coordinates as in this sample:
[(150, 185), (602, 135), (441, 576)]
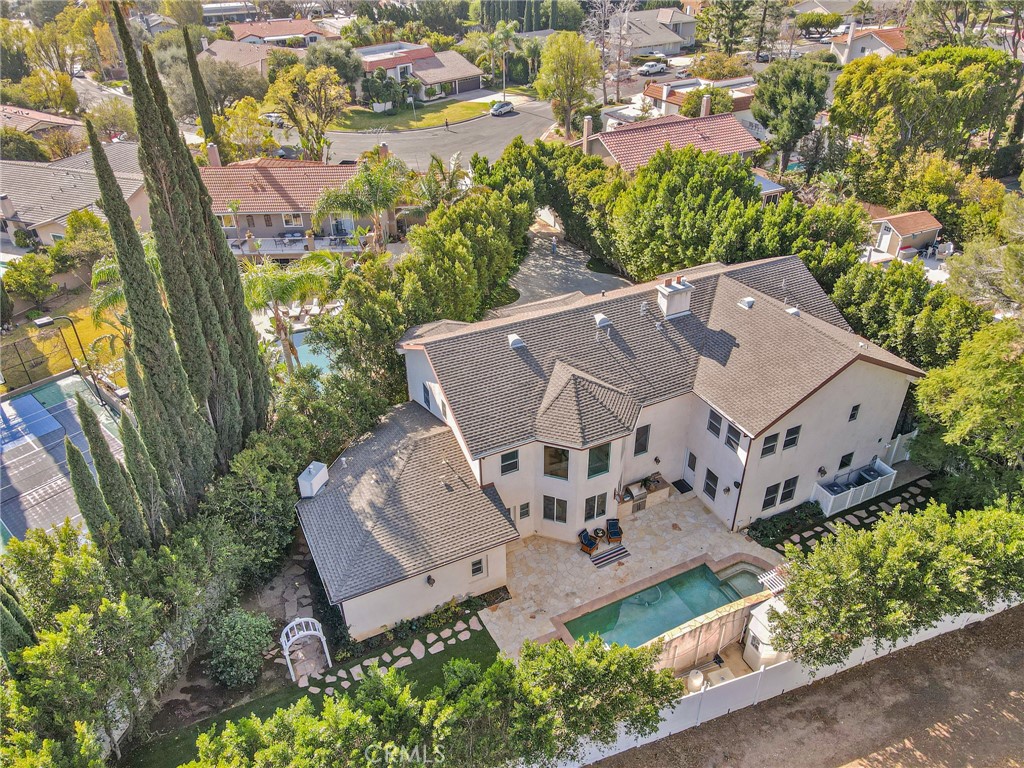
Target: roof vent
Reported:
[(601, 321), (312, 479), (515, 341), (794, 311), (746, 303), (643, 309)]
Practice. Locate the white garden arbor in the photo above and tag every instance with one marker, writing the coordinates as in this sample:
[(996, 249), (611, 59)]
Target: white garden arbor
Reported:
[(298, 629)]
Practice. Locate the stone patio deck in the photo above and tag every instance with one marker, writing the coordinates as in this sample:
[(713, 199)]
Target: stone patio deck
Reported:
[(547, 578)]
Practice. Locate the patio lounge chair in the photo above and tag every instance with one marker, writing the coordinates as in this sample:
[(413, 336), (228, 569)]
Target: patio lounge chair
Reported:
[(614, 531), (587, 542)]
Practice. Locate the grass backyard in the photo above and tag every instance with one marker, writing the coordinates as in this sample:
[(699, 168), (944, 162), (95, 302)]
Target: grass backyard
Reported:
[(42, 350), (173, 749), (360, 119)]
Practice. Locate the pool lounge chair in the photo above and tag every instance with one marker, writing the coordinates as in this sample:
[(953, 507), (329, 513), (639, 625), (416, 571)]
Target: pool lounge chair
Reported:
[(587, 542), (613, 530)]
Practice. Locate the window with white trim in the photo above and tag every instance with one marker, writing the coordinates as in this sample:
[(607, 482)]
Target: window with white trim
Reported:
[(510, 462), (227, 220), (792, 437), (524, 510), (556, 462), (555, 509), (710, 484), (732, 438), (855, 412), (715, 423), (599, 460), (478, 568), (770, 444), (642, 439), (771, 496), (788, 490), (595, 506), (292, 219)]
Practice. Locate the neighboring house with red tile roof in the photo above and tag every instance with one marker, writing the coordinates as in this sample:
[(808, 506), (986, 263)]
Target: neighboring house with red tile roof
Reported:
[(34, 122), (883, 42), (914, 230), (275, 197), (631, 146), (279, 31), (668, 97), (446, 71), (249, 55)]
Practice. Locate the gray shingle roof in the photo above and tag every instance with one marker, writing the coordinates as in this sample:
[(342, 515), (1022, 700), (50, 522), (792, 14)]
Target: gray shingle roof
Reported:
[(578, 410), (753, 364), (42, 192), (401, 501), (123, 157)]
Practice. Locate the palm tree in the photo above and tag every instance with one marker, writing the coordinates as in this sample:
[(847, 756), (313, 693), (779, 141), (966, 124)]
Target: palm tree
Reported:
[(269, 285), (334, 264), (442, 184), (532, 49), (359, 31), (506, 40), (375, 189)]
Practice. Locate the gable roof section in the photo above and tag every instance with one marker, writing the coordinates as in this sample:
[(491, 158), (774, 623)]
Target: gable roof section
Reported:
[(401, 501), (646, 29), (391, 55), (271, 185), (631, 146), (32, 120), (893, 38), (42, 193), (912, 223), (276, 28), (443, 67), (754, 364), (123, 157)]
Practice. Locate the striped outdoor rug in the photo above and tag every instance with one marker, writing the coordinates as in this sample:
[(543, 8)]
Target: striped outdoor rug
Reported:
[(609, 556)]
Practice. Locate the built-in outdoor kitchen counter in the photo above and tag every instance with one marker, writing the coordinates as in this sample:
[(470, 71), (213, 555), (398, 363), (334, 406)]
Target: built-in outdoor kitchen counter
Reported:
[(643, 493)]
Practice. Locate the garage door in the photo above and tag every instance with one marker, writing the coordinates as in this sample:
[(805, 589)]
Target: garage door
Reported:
[(469, 84)]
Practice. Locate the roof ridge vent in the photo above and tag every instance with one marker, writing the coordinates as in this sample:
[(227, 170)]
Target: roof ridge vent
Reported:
[(515, 341), (746, 302), (794, 311)]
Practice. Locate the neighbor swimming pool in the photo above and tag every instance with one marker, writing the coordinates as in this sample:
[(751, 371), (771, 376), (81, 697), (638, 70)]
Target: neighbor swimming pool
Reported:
[(306, 355), (644, 615)]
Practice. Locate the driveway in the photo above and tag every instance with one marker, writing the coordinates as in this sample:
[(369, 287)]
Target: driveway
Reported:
[(543, 275), (956, 700), (487, 135)]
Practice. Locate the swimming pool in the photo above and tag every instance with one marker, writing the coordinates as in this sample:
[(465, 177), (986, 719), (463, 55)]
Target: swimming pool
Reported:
[(307, 356), (642, 616)]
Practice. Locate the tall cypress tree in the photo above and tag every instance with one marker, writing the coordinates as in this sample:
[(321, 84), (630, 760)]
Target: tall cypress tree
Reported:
[(10, 600), (101, 524), (147, 485), (117, 491), (177, 437), (202, 97)]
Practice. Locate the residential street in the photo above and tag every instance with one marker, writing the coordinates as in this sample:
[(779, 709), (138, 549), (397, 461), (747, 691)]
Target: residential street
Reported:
[(956, 700), (488, 135)]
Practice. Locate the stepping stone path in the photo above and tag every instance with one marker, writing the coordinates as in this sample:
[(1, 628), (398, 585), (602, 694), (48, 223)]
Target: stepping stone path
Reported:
[(398, 657)]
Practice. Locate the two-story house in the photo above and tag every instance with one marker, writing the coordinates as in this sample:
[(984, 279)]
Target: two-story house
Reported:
[(741, 384), (445, 72)]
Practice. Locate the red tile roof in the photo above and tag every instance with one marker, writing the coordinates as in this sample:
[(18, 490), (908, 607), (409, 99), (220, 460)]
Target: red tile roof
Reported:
[(399, 57), (739, 103), (276, 28), (912, 223), (633, 145), (268, 185), (894, 38)]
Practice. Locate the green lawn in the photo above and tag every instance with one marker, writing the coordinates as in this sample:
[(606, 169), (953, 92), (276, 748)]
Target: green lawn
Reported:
[(522, 90), (173, 749), (361, 119)]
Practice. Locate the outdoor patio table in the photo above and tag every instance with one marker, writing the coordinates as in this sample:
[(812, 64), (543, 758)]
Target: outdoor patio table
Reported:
[(599, 534)]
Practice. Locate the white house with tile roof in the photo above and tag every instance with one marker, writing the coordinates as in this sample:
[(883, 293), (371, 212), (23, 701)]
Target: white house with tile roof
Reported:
[(743, 383)]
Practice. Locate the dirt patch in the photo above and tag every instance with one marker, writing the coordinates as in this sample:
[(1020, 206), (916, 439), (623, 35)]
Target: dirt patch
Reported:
[(956, 700)]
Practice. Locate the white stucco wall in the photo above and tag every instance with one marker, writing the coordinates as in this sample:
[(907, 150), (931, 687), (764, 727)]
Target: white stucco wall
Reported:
[(375, 611), (863, 46), (826, 435)]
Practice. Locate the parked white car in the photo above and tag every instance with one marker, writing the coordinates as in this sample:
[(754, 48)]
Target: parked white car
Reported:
[(652, 68)]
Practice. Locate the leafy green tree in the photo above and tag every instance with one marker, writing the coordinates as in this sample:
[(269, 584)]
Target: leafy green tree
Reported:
[(978, 400), (721, 101), (257, 497), (86, 241), (225, 83), (377, 186), (22, 745), (338, 55), (725, 22), (16, 145), (113, 117), (904, 575), (31, 277), (898, 309), (789, 96), (237, 641), (816, 24), (310, 99), (442, 184), (118, 491), (570, 68), (564, 15), (6, 305), (935, 23), (718, 66), (48, 90), (241, 132), (184, 12), (991, 272), (764, 22), (14, 42), (280, 60)]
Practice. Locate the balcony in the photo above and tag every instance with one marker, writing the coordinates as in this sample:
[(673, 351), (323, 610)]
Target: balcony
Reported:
[(296, 247), (851, 488)]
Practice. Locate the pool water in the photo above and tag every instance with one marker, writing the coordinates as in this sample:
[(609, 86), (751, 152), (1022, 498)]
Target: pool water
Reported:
[(644, 615), (307, 356)]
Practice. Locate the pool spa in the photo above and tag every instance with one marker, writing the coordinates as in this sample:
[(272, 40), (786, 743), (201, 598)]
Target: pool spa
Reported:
[(648, 613)]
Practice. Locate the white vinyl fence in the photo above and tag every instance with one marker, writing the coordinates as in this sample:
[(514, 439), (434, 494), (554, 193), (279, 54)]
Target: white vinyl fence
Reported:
[(696, 708)]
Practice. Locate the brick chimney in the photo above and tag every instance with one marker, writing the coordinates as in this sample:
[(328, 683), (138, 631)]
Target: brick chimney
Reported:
[(6, 207), (588, 129), (213, 154), (705, 105)]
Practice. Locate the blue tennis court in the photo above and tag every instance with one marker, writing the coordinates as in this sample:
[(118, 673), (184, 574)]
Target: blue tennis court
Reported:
[(34, 488)]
